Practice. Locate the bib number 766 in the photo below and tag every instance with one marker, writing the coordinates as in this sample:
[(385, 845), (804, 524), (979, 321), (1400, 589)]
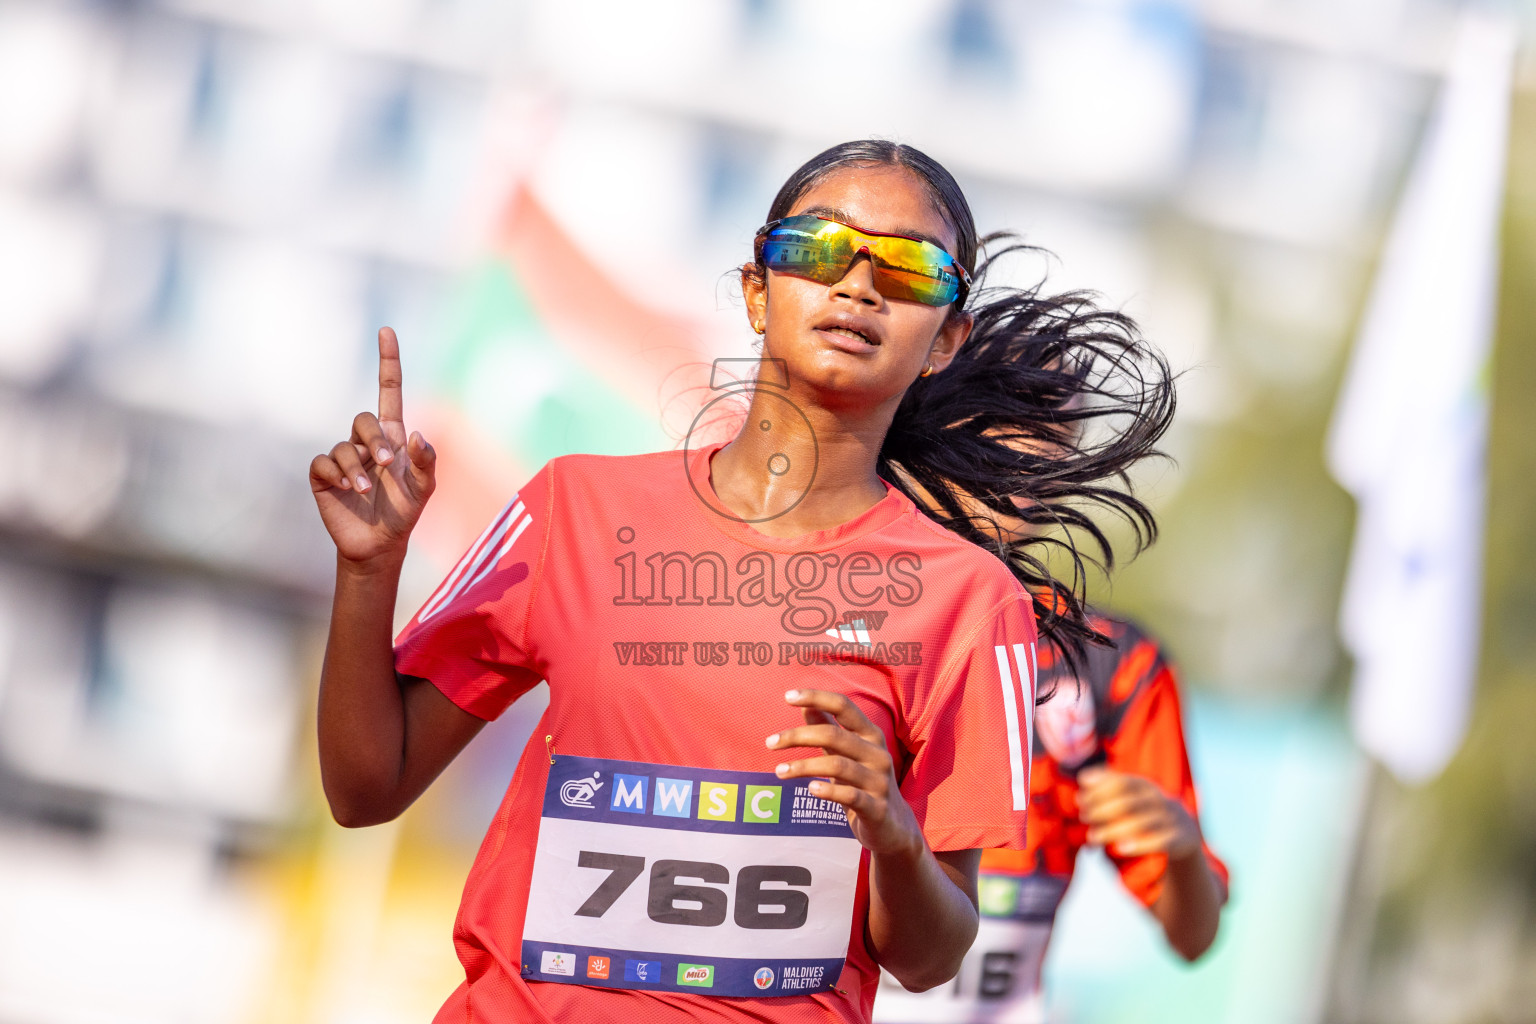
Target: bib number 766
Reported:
[(702, 906)]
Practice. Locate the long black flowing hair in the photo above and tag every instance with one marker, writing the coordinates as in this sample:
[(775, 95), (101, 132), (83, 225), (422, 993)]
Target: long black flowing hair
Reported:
[(1035, 424)]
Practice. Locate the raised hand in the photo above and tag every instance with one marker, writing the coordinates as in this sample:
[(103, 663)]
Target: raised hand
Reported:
[(862, 773), (372, 487)]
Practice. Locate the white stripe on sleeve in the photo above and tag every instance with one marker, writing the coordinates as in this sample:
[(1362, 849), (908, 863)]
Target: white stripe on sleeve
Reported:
[(1016, 770), (526, 522), (446, 598), (469, 556), (1027, 669)]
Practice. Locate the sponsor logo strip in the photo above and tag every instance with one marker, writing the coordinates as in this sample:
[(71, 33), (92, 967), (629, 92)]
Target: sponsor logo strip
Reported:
[(661, 796), (719, 976)]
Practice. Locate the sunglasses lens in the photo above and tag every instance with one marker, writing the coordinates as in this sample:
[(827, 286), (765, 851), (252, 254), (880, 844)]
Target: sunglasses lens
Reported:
[(810, 247), (909, 269), (821, 250)]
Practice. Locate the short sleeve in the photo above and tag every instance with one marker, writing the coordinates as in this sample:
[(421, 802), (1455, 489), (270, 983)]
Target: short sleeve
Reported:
[(1150, 743), (967, 779), (471, 637)]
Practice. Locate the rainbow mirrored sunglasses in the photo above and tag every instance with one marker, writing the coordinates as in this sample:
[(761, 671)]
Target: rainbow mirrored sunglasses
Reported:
[(823, 250)]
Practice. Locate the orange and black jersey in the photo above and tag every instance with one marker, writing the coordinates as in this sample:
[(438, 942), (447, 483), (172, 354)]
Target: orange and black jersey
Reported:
[(1121, 710)]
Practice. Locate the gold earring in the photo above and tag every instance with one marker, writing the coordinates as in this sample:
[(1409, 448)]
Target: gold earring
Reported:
[(926, 370), (758, 327)]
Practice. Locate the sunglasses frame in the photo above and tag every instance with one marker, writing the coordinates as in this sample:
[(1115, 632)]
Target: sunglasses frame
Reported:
[(962, 290)]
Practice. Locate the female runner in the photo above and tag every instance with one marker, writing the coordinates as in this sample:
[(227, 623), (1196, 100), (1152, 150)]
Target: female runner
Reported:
[(673, 846)]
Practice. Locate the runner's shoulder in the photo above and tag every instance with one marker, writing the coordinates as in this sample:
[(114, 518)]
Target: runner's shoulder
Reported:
[(633, 476), (974, 571)]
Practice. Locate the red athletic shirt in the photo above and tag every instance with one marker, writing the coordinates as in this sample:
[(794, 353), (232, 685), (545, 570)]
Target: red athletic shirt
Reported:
[(1124, 714), (645, 865)]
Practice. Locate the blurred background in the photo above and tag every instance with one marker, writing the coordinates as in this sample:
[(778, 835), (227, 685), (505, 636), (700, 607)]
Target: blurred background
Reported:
[(208, 207)]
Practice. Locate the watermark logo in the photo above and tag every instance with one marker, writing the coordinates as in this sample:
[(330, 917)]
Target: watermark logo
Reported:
[(578, 793), (833, 594), (764, 386)]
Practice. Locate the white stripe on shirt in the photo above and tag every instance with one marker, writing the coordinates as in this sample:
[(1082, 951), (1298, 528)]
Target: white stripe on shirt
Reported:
[(1016, 762), (1028, 666), (447, 596)]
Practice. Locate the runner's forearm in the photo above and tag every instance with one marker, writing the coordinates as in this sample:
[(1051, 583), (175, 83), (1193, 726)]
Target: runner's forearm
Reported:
[(1189, 907), (362, 714), (922, 914)]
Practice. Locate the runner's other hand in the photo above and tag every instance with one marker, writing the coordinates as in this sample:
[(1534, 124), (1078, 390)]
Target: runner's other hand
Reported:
[(371, 487), (1131, 817), (861, 772)]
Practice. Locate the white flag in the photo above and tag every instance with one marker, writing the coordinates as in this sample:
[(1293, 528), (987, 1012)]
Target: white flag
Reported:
[(1409, 434)]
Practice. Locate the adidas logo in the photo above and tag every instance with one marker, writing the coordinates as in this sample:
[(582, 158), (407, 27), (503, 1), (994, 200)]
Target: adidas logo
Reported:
[(854, 632)]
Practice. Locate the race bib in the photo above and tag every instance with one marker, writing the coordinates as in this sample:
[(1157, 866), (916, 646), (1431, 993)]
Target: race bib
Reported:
[(651, 876), (999, 980)]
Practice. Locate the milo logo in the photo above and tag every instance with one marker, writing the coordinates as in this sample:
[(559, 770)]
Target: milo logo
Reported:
[(698, 975)]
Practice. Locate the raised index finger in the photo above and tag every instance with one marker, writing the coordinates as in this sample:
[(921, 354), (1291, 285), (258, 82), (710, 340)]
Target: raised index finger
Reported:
[(391, 406)]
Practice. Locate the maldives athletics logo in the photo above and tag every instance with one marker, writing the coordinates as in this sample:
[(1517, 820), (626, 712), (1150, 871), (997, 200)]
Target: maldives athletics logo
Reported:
[(763, 979)]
